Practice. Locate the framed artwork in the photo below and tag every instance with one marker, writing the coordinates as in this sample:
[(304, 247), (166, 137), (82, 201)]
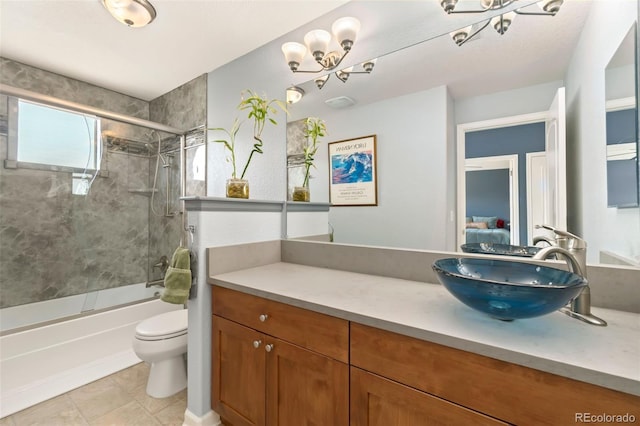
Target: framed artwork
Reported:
[(353, 180)]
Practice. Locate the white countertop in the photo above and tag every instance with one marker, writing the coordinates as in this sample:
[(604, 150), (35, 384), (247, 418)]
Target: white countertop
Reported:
[(605, 356)]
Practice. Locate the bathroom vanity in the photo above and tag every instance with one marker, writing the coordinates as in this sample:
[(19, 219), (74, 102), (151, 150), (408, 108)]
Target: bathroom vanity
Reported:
[(297, 344)]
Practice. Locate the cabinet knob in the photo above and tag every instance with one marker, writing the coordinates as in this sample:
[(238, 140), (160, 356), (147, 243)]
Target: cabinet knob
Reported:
[(263, 317), (268, 347), (257, 343)]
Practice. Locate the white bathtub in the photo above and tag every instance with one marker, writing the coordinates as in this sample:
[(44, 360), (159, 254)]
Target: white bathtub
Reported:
[(43, 362)]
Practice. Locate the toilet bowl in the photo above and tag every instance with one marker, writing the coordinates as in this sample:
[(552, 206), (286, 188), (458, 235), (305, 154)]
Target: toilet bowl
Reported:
[(162, 342)]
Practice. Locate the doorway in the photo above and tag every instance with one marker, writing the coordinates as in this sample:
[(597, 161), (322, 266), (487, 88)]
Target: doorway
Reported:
[(492, 190), (554, 142)]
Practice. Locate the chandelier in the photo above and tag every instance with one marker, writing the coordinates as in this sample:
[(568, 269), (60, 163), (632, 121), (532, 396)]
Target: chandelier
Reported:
[(317, 42), (500, 22)]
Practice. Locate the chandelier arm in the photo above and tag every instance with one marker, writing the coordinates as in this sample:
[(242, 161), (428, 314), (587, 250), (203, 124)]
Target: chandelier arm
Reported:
[(308, 71), (486, 24), (535, 13), (339, 77), (331, 68), (468, 11), (358, 72)]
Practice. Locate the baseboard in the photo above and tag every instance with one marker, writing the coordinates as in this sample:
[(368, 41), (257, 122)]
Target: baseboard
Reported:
[(33, 393), (210, 419)]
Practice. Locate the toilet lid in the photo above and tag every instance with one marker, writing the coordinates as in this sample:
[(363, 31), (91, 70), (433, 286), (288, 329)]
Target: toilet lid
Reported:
[(169, 324)]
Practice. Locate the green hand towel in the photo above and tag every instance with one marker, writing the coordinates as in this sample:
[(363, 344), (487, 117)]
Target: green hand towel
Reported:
[(177, 279)]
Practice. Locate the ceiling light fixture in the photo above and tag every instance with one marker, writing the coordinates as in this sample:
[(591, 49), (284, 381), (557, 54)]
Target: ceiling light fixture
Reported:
[(294, 94), (317, 42), (133, 13), (500, 23)]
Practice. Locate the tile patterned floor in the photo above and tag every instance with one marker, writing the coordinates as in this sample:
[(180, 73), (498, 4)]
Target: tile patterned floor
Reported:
[(116, 400)]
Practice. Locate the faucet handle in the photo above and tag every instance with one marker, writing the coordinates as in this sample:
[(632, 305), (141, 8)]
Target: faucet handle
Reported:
[(573, 241)]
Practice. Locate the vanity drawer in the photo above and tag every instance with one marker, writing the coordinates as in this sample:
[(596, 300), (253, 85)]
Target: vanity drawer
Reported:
[(506, 391), (320, 333)]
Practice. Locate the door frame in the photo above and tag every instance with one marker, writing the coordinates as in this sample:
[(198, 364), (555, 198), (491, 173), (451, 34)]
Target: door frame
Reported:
[(461, 130)]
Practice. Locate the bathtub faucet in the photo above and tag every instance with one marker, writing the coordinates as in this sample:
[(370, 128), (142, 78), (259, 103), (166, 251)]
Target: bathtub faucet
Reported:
[(574, 250)]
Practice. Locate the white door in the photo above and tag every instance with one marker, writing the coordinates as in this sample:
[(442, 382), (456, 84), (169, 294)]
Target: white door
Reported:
[(556, 142), (536, 198)]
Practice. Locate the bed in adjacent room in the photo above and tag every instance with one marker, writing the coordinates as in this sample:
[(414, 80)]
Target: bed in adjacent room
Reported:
[(487, 229)]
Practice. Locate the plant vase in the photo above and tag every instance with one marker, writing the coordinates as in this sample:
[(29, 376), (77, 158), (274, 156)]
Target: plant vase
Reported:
[(301, 193), (237, 188)]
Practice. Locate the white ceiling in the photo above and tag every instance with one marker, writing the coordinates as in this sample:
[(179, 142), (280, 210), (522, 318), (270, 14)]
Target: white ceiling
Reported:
[(81, 40)]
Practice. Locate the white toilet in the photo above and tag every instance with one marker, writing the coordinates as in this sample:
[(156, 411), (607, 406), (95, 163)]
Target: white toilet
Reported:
[(162, 341)]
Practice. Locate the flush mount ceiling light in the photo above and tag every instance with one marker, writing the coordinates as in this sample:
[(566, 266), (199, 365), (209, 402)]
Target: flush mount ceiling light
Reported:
[(294, 94), (133, 13), (500, 23), (317, 42)]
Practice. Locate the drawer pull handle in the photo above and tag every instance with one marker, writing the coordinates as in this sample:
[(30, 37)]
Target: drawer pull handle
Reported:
[(263, 317), (257, 343), (268, 347)]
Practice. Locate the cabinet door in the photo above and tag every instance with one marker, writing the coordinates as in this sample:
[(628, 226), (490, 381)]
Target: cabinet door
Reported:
[(238, 373), (376, 401), (305, 388)]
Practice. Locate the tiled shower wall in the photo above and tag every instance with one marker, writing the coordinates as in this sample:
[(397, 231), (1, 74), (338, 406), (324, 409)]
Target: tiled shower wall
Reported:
[(183, 108), (53, 243)]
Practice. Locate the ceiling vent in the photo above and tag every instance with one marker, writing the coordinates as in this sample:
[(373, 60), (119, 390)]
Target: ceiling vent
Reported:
[(340, 102)]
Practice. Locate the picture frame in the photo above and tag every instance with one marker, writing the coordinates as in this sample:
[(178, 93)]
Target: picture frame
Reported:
[(353, 177)]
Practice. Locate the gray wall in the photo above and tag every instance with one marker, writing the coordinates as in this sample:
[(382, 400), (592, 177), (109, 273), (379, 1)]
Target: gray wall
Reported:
[(488, 193), (412, 170)]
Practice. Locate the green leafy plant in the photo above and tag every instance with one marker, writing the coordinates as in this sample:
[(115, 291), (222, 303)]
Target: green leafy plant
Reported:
[(260, 111), (315, 128)]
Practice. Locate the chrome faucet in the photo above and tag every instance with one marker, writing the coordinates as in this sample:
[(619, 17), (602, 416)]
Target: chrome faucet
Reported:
[(574, 250)]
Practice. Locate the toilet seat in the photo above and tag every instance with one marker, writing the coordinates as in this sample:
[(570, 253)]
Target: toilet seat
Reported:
[(164, 326)]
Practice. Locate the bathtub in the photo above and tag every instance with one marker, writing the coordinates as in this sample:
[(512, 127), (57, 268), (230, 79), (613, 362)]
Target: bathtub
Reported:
[(39, 363)]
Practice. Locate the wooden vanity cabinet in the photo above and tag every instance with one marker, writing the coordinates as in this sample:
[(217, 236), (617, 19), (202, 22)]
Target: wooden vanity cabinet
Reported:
[(377, 401), (275, 364), (505, 391)]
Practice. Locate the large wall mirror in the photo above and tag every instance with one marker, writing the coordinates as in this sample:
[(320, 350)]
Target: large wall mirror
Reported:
[(414, 101), (622, 131)]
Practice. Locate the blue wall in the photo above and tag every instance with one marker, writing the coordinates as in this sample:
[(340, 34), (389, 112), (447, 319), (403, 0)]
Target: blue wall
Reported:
[(508, 141), (488, 193)]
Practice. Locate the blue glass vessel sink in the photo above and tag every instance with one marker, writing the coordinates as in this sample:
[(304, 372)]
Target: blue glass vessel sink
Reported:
[(502, 249), (508, 290)]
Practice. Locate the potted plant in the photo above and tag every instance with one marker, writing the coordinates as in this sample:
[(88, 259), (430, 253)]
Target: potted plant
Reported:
[(315, 128), (260, 111)]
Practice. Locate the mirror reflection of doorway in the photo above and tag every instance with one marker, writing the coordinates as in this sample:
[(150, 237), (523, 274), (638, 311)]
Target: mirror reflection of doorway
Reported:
[(492, 192)]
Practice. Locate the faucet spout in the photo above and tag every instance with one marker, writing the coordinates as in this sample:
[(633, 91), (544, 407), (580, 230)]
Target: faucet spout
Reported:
[(540, 238), (572, 262), (576, 261)]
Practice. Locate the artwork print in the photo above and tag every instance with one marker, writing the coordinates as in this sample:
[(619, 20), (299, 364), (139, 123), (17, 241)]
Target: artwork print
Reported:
[(353, 172)]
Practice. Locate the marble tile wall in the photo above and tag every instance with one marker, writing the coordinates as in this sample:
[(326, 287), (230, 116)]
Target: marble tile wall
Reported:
[(184, 108), (53, 243)]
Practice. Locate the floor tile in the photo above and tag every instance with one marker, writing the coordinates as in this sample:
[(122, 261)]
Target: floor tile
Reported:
[(154, 405), (116, 400), (100, 397), (58, 411), (132, 377), (173, 415), (131, 414), (7, 421)]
